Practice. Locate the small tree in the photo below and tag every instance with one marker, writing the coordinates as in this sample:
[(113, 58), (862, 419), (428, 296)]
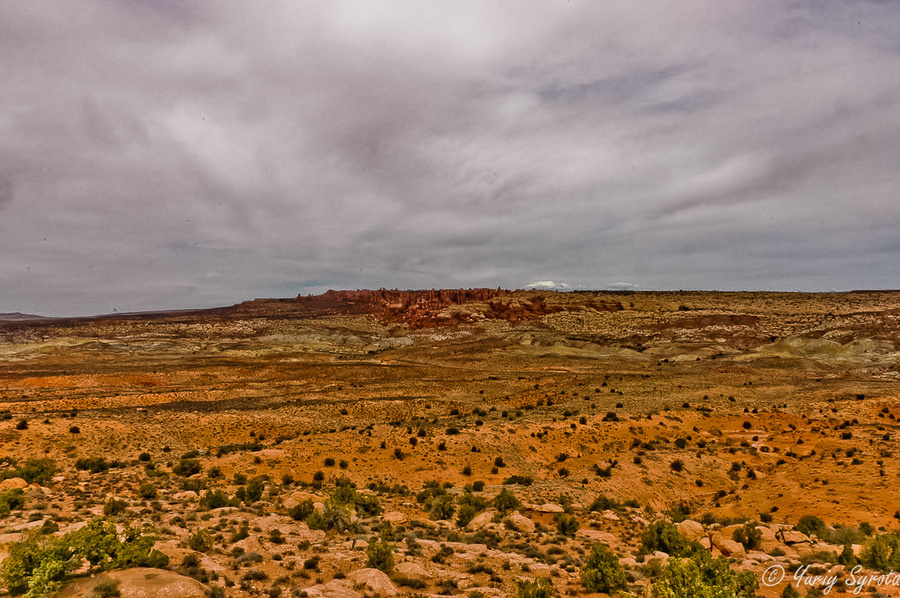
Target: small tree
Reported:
[(702, 576), (506, 501), (566, 525), (602, 571), (380, 555), (749, 536)]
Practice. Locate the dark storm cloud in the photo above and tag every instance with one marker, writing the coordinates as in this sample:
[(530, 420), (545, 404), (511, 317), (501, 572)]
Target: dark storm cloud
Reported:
[(161, 154)]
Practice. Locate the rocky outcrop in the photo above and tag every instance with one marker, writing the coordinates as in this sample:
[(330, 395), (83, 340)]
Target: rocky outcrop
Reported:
[(140, 583)]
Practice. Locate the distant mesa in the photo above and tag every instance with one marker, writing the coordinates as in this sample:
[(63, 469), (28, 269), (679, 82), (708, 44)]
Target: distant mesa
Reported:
[(19, 317), (413, 308)]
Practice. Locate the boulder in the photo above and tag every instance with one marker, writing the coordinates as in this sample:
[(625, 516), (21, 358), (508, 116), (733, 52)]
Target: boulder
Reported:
[(394, 517), (412, 569), (375, 580), (793, 537), (610, 515), (730, 548), (10, 483), (595, 535), (336, 588), (521, 522), (140, 583), (482, 520), (692, 530), (547, 508)]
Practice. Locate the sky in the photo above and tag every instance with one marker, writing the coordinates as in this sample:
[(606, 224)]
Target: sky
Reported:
[(164, 154)]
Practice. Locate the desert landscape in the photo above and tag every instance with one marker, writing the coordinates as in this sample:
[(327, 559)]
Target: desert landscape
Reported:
[(459, 442)]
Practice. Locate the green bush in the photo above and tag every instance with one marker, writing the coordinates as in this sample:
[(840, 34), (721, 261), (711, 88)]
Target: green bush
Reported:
[(465, 515), (380, 555), (302, 511), (882, 553), (254, 490), (749, 536), (702, 576), (539, 588), (663, 536), (790, 592), (114, 507), (566, 525), (602, 572), (34, 471), (216, 499), (187, 467), (810, 524), (602, 503), (506, 501), (147, 491), (442, 507), (10, 500), (201, 541), (39, 564)]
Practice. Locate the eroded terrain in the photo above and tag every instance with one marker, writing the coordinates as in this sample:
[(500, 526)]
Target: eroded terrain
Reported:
[(709, 410)]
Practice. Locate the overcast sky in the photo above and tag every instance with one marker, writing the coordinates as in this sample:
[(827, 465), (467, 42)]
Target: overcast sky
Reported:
[(159, 154)]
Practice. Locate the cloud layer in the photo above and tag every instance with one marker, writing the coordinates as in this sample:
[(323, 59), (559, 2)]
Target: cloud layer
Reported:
[(163, 154)]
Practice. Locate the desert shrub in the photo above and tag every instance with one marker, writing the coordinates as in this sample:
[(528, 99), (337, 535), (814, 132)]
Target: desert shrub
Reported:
[(147, 491), (22, 424), (602, 503), (602, 572), (810, 524), (75, 430), (882, 552), (521, 480), (540, 587), (144, 457), (465, 515), (790, 592), (114, 507), (302, 510), (253, 491), (410, 582), (442, 507), (847, 558), (663, 536), (380, 555), (216, 499), (242, 533), (10, 500), (334, 516), (39, 564), (702, 576), (749, 536), (566, 525), (34, 471), (187, 467), (506, 501), (429, 493), (367, 505), (201, 541)]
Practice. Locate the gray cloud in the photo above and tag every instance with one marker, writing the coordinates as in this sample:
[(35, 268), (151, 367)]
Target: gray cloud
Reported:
[(171, 154)]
